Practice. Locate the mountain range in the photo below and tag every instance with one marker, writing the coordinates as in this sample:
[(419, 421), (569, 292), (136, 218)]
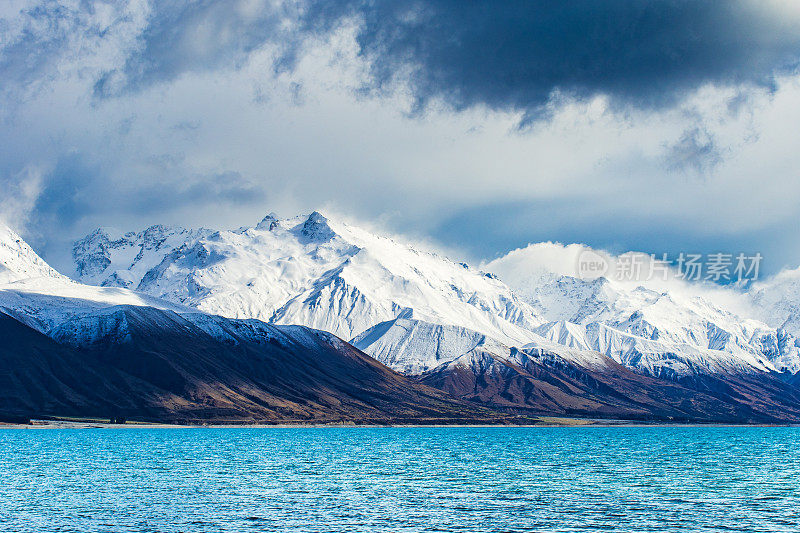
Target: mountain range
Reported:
[(74, 350), (315, 319), (334, 276)]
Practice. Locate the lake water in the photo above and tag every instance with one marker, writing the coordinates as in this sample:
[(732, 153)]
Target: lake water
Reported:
[(400, 479)]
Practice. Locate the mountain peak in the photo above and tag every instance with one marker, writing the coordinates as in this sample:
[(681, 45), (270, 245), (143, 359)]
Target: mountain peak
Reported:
[(268, 223), (316, 228)]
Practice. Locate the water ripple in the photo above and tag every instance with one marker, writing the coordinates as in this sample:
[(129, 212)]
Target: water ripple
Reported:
[(400, 479)]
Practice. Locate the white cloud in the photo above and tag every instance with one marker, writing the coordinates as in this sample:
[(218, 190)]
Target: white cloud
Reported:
[(306, 139), (526, 269), (20, 194)]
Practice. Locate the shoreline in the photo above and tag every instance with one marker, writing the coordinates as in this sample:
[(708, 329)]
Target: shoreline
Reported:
[(546, 422)]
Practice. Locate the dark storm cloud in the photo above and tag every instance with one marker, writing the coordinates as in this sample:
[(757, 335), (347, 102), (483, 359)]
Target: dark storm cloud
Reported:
[(515, 55), (511, 55)]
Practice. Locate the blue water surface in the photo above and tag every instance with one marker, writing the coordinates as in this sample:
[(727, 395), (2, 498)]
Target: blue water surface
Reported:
[(400, 479)]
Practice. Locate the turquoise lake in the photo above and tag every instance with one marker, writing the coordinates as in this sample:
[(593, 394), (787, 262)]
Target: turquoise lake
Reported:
[(400, 479)]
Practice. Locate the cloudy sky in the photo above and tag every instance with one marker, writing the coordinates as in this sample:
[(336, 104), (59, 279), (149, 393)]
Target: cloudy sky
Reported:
[(659, 126)]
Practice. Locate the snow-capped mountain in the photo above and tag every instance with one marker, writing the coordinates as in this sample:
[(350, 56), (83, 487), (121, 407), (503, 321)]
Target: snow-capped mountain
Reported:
[(102, 258), (339, 278), (114, 351), (19, 261), (78, 314), (777, 301), (546, 377), (415, 347), (76, 350), (661, 332), (37, 295), (306, 270)]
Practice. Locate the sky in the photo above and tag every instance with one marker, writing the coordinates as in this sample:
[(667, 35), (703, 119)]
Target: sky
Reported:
[(660, 127)]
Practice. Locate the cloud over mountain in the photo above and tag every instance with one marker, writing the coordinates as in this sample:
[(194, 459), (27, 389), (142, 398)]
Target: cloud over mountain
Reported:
[(206, 112)]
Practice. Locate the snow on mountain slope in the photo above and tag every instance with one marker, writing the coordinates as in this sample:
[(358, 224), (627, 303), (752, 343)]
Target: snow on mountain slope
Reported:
[(315, 272), (103, 259), (19, 261), (414, 309), (415, 347), (34, 293), (43, 303), (79, 314), (663, 317), (657, 358), (674, 332), (339, 278), (777, 300), (37, 295)]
